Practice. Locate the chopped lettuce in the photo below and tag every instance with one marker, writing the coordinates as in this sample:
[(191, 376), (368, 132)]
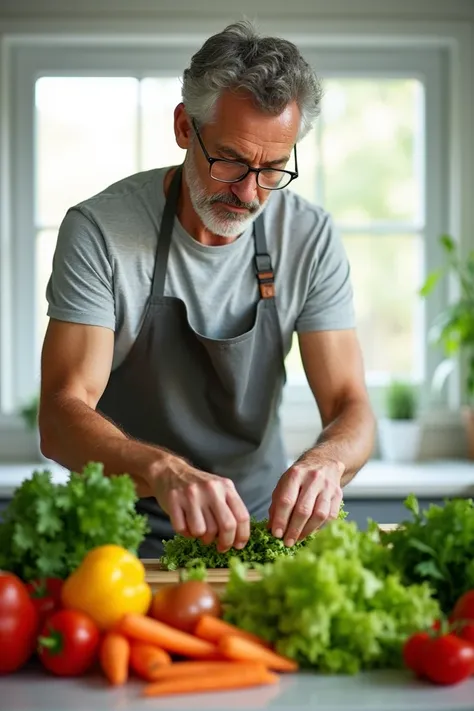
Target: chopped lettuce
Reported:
[(262, 547)]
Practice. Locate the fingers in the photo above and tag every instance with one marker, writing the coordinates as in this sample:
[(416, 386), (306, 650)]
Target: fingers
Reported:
[(176, 513), (195, 521), (284, 499), (304, 507), (241, 516), (318, 516), (305, 497), (326, 508), (211, 527), (233, 521), (212, 511), (335, 504)]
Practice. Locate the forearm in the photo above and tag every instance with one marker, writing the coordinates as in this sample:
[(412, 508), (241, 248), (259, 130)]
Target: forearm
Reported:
[(72, 434), (348, 439)]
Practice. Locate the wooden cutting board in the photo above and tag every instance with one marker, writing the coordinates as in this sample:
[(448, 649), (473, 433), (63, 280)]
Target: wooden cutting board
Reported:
[(158, 578)]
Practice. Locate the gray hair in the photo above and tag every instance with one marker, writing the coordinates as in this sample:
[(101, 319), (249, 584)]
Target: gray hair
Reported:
[(270, 68)]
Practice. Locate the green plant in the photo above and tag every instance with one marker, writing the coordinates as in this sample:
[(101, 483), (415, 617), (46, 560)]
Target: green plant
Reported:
[(29, 412), (435, 545), (401, 401), (48, 528), (453, 327)]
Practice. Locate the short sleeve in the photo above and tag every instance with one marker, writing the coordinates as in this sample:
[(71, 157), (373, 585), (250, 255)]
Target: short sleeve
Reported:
[(80, 288), (329, 299)]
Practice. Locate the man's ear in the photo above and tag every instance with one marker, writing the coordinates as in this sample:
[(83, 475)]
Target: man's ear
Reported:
[(182, 127)]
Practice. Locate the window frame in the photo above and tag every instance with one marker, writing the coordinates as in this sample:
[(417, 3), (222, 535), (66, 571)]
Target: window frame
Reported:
[(26, 59)]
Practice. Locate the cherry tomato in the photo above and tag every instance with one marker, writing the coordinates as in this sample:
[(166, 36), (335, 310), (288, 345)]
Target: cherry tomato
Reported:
[(68, 643), (182, 604), (18, 623), (46, 596), (464, 608), (447, 659), (413, 651)]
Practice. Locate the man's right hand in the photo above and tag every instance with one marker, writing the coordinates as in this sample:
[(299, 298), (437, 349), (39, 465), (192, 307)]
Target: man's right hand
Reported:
[(202, 505)]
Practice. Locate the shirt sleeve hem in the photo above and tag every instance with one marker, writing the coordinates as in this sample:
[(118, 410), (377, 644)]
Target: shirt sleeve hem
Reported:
[(87, 319), (324, 325)]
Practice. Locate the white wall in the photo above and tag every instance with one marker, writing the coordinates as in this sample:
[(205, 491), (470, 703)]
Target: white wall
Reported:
[(453, 10)]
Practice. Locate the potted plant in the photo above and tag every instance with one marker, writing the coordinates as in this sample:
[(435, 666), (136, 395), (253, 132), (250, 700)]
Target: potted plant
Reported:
[(399, 430), (29, 414), (453, 327)]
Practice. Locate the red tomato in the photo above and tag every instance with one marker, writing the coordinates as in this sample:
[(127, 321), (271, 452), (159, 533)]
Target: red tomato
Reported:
[(18, 623), (448, 659), (464, 608), (46, 596), (413, 651), (466, 632), (68, 643), (181, 605)]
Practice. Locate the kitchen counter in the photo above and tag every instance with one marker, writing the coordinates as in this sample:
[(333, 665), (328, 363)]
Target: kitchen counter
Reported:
[(377, 480), (375, 691)]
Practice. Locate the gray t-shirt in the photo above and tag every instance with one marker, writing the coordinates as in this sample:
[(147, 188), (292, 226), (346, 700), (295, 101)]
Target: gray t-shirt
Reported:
[(104, 260)]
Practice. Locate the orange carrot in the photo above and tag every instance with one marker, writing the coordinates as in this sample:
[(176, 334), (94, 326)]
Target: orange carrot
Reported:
[(114, 658), (202, 668), (146, 660), (234, 647), (213, 629), (145, 629), (235, 678)]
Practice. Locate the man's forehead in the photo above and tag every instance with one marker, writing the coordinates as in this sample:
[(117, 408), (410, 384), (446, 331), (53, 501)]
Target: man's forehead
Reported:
[(237, 114)]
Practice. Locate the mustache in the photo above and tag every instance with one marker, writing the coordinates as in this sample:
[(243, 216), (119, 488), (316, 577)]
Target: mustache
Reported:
[(234, 201)]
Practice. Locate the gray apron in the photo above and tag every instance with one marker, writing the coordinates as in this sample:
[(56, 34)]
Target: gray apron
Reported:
[(213, 401)]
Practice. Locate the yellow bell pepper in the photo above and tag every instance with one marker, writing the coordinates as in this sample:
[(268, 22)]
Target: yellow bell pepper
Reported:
[(109, 583)]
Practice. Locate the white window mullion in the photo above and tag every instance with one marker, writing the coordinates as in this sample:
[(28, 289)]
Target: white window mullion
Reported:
[(25, 359), (139, 126), (436, 205), (6, 301)]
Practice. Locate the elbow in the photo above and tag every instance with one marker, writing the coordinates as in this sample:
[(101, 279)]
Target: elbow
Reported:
[(46, 444), (46, 433), (45, 447)]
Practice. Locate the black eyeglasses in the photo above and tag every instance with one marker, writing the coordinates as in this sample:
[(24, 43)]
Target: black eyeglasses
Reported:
[(233, 171)]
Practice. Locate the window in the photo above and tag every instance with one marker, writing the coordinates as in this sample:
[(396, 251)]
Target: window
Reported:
[(363, 163), (91, 132), (81, 119)]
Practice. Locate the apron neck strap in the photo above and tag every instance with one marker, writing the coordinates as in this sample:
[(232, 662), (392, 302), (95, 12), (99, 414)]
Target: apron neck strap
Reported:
[(263, 262), (166, 232)]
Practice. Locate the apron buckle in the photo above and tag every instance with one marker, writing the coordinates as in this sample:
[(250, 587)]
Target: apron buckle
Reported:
[(265, 276)]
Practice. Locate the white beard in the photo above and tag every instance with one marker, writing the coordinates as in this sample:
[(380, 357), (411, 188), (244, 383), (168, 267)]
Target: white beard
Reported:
[(232, 224)]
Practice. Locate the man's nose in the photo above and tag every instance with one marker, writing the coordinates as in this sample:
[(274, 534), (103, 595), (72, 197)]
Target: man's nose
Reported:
[(247, 189)]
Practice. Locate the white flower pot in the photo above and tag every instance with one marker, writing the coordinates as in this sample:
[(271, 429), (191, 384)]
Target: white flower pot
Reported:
[(399, 440)]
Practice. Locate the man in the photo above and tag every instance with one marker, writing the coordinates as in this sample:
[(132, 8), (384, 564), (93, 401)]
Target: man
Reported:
[(173, 299)]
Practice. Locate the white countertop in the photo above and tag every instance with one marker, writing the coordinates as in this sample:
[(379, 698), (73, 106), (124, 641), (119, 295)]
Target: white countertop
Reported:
[(32, 690), (377, 480)]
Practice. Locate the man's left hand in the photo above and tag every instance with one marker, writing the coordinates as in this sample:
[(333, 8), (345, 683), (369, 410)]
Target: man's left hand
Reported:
[(308, 494)]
